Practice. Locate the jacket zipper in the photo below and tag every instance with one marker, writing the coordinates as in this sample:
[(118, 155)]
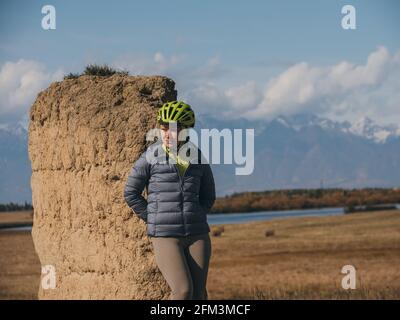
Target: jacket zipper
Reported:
[(181, 180)]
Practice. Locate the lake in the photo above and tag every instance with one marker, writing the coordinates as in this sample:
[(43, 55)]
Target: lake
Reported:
[(226, 218)]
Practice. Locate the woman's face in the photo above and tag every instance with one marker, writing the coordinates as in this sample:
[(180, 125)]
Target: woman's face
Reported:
[(169, 135)]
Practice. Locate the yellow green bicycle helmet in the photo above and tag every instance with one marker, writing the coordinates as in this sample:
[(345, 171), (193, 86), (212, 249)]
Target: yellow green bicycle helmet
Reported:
[(176, 111)]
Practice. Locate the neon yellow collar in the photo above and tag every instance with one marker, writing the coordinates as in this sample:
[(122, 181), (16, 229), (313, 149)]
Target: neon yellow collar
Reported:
[(182, 164)]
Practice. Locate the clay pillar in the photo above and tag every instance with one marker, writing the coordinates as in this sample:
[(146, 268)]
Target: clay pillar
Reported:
[(84, 136)]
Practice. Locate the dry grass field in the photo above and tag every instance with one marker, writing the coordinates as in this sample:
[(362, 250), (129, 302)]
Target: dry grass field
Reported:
[(304, 258), (16, 217), (301, 258)]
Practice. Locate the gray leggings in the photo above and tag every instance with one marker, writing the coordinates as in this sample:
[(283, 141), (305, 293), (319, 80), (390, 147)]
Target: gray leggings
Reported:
[(183, 261)]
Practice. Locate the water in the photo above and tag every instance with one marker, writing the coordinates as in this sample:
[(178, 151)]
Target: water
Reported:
[(224, 218), (227, 218), (25, 228)]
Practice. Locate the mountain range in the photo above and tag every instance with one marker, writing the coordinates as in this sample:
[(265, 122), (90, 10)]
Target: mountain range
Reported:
[(297, 151), (308, 151)]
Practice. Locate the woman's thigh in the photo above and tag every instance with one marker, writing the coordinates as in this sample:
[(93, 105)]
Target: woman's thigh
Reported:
[(198, 255), (171, 260)]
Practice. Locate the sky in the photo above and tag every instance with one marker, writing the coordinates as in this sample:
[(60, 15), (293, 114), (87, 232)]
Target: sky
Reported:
[(230, 59)]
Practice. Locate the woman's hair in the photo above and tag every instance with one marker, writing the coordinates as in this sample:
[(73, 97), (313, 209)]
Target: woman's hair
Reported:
[(166, 124)]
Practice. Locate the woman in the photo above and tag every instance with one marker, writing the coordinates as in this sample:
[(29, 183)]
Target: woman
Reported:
[(180, 193)]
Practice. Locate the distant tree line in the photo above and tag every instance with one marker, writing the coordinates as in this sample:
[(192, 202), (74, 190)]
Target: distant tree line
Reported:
[(304, 199), (285, 199), (15, 206)]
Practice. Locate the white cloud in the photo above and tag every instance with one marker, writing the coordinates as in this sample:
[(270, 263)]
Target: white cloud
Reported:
[(244, 96), (342, 91), (206, 98), (20, 82), (195, 83)]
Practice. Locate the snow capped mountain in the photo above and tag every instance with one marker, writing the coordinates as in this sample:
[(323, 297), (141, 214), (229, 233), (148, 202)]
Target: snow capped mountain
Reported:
[(299, 121), (367, 128), (300, 151), (363, 127), (16, 129)]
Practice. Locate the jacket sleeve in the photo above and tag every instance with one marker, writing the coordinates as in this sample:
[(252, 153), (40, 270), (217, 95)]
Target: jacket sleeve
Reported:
[(138, 179), (207, 188)]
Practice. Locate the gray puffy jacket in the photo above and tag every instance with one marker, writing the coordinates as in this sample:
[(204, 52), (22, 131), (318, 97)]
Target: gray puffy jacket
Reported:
[(176, 206)]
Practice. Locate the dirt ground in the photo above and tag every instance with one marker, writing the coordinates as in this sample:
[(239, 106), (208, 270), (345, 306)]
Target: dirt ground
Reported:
[(302, 258)]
